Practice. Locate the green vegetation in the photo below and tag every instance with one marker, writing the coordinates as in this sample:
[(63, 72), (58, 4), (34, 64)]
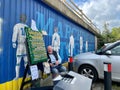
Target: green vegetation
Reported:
[(115, 33), (115, 87), (108, 36)]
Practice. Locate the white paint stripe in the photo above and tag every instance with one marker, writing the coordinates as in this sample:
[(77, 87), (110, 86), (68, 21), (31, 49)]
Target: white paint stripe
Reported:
[(105, 67), (1, 22), (0, 4), (0, 50)]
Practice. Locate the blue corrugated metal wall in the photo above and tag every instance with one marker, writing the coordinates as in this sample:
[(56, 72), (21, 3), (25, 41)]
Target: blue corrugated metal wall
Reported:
[(46, 19)]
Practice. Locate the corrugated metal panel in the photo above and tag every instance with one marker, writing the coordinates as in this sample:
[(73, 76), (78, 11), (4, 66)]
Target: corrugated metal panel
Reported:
[(46, 19)]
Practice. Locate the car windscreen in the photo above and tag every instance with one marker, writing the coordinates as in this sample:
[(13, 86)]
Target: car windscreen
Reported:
[(103, 48)]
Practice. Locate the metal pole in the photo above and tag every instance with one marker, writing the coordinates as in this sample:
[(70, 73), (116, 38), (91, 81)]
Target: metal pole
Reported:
[(107, 76), (70, 63)]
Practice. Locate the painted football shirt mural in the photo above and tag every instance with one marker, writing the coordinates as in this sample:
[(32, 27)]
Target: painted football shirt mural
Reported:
[(18, 41), (81, 44), (71, 45), (56, 40), (86, 46), (13, 57)]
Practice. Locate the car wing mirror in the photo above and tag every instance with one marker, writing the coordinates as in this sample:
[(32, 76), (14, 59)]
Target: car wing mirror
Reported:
[(108, 52)]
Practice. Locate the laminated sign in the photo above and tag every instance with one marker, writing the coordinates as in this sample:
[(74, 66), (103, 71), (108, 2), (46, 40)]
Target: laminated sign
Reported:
[(36, 46)]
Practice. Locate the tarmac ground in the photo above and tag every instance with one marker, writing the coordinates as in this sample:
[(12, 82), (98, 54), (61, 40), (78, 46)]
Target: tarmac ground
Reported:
[(99, 85)]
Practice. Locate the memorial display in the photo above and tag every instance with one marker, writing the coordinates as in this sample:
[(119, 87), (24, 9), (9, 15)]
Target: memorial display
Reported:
[(36, 46)]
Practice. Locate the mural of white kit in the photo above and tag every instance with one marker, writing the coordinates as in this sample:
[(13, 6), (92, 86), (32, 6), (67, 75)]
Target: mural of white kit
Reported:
[(56, 40), (19, 37), (86, 44), (81, 44), (71, 45)]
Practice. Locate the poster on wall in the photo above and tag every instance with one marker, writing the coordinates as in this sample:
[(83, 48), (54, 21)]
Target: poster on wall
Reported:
[(36, 46)]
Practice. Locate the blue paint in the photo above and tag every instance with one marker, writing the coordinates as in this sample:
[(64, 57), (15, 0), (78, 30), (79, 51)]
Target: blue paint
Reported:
[(42, 25), (68, 29), (60, 29)]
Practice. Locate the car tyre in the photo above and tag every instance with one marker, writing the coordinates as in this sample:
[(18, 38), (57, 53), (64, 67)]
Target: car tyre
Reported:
[(89, 72)]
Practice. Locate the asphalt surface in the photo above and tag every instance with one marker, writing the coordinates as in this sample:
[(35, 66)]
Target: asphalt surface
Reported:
[(99, 85)]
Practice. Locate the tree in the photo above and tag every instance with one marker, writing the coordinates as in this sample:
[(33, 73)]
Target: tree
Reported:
[(115, 33), (106, 34), (100, 42)]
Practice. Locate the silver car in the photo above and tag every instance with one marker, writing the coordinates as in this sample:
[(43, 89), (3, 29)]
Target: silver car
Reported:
[(92, 64)]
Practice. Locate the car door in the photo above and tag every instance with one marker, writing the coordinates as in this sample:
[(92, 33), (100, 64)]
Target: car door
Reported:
[(115, 61)]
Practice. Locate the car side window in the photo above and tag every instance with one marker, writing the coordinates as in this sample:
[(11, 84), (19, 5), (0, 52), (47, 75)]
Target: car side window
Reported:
[(116, 50)]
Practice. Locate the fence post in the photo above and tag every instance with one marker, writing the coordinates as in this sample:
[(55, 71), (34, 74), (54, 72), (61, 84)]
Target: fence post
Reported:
[(107, 76), (70, 63)]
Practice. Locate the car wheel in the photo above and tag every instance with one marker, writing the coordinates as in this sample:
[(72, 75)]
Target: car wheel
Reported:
[(88, 71)]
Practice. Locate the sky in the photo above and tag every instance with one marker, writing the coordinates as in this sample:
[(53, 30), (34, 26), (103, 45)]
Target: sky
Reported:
[(101, 12)]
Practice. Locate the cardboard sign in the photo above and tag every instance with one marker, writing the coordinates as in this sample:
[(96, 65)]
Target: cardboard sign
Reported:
[(34, 72)]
